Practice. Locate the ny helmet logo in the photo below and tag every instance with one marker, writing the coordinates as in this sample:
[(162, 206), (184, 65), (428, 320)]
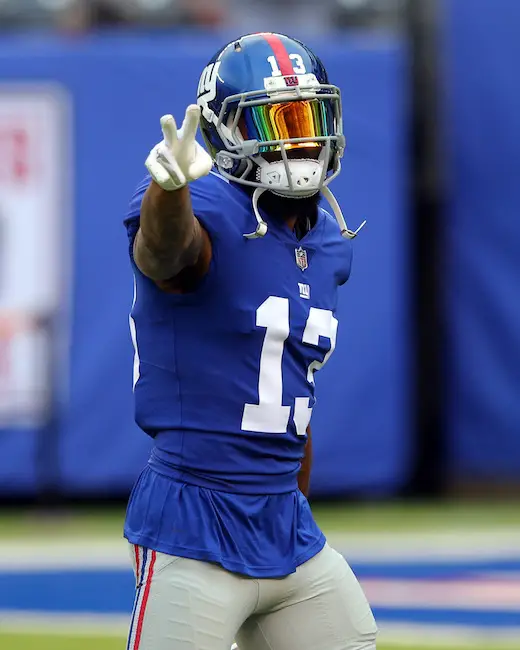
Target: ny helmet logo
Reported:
[(301, 258), (291, 81), (207, 90)]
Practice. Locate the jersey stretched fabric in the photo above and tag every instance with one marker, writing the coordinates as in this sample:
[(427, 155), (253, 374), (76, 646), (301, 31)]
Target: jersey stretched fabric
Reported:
[(224, 383)]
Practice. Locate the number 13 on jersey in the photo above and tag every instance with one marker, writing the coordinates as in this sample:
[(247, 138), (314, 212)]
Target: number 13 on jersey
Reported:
[(270, 415)]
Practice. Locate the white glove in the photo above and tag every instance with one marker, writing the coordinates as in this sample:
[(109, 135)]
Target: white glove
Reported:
[(179, 158)]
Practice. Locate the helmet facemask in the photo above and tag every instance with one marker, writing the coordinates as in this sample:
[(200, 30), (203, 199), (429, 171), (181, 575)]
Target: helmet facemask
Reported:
[(281, 122)]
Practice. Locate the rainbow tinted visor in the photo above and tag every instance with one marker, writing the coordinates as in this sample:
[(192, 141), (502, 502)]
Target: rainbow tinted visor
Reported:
[(301, 123), (257, 121)]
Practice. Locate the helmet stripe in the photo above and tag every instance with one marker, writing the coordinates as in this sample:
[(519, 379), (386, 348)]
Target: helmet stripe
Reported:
[(280, 53)]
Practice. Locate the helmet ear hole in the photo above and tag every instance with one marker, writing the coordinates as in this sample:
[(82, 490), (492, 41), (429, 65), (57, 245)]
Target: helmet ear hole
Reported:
[(236, 167)]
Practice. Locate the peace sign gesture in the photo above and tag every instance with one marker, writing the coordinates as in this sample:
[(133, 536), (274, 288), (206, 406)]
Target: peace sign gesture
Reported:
[(179, 158)]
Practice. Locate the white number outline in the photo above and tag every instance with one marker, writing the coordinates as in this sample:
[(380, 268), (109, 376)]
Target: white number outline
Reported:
[(269, 415)]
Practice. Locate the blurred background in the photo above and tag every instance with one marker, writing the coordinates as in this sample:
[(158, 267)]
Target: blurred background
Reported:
[(417, 432)]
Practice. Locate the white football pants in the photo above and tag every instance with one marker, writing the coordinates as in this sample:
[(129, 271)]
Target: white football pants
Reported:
[(184, 604)]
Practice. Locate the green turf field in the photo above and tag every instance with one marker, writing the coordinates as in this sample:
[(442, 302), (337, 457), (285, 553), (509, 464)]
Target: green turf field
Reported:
[(59, 642), (391, 517)]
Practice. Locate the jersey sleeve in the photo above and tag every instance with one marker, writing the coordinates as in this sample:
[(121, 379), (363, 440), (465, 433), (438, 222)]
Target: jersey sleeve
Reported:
[(133, 214), (340, 249), (207, 199), (211, 204), (346, 262)]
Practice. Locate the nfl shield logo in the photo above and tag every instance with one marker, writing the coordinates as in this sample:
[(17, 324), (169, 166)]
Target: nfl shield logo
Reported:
[(301, 258)]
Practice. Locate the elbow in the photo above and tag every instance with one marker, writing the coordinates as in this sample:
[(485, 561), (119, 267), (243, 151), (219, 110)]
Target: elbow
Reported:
[(163, 263)]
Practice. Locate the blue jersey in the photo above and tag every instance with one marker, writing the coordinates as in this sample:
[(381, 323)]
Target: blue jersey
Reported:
[(224, 383)]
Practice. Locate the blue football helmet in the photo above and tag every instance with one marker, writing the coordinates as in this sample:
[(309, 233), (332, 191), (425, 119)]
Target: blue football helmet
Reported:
[(271, 119)]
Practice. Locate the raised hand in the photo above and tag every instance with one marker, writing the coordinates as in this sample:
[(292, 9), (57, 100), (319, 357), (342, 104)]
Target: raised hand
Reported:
[(179, 159)]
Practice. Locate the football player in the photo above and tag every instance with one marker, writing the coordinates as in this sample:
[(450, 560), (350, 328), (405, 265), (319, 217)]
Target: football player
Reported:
[(237, 269)]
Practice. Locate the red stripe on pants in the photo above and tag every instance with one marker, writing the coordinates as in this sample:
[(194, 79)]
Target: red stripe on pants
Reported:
[(142, 611)]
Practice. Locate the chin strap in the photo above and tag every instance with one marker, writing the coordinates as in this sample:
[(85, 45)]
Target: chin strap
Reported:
[(261, 229), (345, 230)]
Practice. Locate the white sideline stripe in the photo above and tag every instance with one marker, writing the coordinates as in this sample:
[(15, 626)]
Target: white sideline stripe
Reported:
[(49, 555), (447, 545), (410, 634), (454, 545), (15, 622)]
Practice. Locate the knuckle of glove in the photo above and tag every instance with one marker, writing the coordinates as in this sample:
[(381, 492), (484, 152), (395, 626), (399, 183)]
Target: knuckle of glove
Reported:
[(165, 165), (169, 163), (200, 164)]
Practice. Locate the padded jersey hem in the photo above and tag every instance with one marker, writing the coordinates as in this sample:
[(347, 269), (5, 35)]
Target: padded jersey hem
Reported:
[(233, 567), (183, 475)]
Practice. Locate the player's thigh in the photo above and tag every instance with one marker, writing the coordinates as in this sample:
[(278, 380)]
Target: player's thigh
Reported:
[(324, 608), (184, 604)]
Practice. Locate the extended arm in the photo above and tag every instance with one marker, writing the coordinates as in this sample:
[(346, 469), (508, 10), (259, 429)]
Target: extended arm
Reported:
[(170, 238), (304, 477)]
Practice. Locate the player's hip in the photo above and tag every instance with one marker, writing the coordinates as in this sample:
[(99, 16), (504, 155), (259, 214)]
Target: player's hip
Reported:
[(322, 602), (256, 535)]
